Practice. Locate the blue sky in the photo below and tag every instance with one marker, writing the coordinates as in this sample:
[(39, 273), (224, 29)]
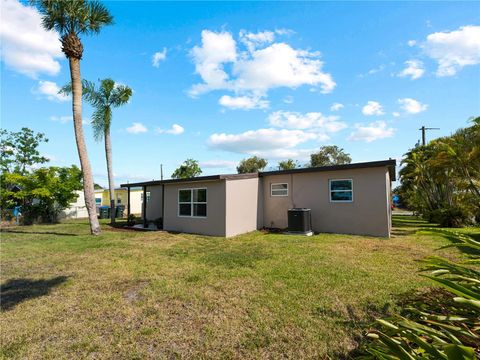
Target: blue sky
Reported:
[(219, 82)]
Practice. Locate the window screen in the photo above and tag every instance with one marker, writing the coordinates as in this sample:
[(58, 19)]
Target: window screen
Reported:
[(341, 190), (279, 189), (192, 202)]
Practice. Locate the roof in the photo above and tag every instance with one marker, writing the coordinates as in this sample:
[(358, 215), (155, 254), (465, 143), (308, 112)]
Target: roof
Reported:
[(371, 164)]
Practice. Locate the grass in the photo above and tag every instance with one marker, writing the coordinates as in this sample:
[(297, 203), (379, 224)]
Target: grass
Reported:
[(137, 295)]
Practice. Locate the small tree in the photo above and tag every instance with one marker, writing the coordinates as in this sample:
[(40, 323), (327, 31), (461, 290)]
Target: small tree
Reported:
[(288, 164), (329, 155), (188, 169), (19, 150), (43, 193), (251, 165)]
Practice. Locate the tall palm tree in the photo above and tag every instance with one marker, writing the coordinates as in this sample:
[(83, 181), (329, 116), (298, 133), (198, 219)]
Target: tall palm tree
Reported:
[(72, 18), (108, 96)]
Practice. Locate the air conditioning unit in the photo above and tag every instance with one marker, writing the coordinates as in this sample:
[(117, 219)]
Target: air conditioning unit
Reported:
[(300, 221)]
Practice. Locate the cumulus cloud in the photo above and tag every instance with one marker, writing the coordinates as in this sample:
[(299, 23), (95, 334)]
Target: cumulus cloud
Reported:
[(174, 130), (26, 46), (64, 119), (243, 102), (412, 106), (371, 132), (218, 164), (158, 57), (255, 65), (373, 108), (311, 120), (50, 90), (414, 69), (411, 43), (336, 107), (137, 128), (288, 99), (261, 141), (454, 49)]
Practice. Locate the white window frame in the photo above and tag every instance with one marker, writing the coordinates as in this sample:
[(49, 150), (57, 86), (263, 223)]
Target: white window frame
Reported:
[(330, 191), (271, 189), (191, 202)]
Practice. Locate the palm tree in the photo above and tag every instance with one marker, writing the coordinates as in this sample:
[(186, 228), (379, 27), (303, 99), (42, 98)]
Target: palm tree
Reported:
[(108, 96), (72, 18)]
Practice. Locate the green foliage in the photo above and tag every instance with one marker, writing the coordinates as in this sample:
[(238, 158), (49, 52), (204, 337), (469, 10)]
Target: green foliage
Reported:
[(288, 164), (103, 99), (441, 180), (251, 165), (19, 150), (97, 186), (188, 169), (446, 329), (73, 16), (43, 193), (329, 155)]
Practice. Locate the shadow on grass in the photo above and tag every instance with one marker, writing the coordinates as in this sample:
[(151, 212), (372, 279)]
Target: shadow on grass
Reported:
[(15, 291), (405, 221), (37, 232)]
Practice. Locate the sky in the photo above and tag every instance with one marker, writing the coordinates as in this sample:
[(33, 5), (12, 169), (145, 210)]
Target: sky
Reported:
[(222, 81)]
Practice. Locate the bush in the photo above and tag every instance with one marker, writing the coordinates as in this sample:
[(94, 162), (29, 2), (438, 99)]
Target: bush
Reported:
[(446, 327), (449, 217)]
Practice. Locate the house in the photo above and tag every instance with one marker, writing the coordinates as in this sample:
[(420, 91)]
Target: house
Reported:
[(350, 199), (78, 209), (102, 198)]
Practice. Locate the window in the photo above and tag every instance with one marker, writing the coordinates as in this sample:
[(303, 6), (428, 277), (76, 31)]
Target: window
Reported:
[(148, 196), (341, 190), (119, 201), (98, 201), (192, 202), (279, 190)]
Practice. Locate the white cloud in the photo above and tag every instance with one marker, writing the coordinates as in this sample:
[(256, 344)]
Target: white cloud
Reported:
[(311, 120), (243, 102), (261, 141), (414, 69), (411, 43), (261, 66), (216, 49), (25, 46), (455, 49), (288, 99), (49, 90), (137, 128), (218, 164), (159, 57), (253, 40), (395, 114), (412, 106), (336, 107), (174, 130), (371, 132), (62, 119), (373, 108)]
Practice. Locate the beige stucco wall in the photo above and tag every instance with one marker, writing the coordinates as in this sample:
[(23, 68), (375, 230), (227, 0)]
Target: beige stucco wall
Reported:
[(154, 206), (242, 204), (213, 224), (368, 214)]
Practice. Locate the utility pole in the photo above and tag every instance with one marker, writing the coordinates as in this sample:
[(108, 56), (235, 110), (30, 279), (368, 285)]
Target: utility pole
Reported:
[(422, 129), (161, 171)]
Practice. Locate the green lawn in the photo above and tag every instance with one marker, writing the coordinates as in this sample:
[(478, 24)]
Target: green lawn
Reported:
[(135, 295)]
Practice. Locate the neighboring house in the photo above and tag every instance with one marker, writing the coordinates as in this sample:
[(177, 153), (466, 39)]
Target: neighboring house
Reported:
[(78, 210), (102, 198), (350, 199)]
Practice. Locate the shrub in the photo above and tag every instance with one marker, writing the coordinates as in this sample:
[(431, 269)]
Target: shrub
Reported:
[(445, 329)]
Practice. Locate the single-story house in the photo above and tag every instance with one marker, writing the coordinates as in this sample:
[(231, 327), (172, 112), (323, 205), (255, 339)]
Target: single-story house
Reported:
[(102, 198), (351, 199)]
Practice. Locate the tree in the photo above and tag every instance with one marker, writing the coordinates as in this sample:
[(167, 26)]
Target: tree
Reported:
[(43, 192), (329, 155), (251, 165), (97, 186), (109, 95), (288, 164), (20, 150), (71, 19), (188, 169)]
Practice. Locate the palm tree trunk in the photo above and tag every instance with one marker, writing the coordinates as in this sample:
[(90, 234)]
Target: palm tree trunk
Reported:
[(88, 188), (111, 186)]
